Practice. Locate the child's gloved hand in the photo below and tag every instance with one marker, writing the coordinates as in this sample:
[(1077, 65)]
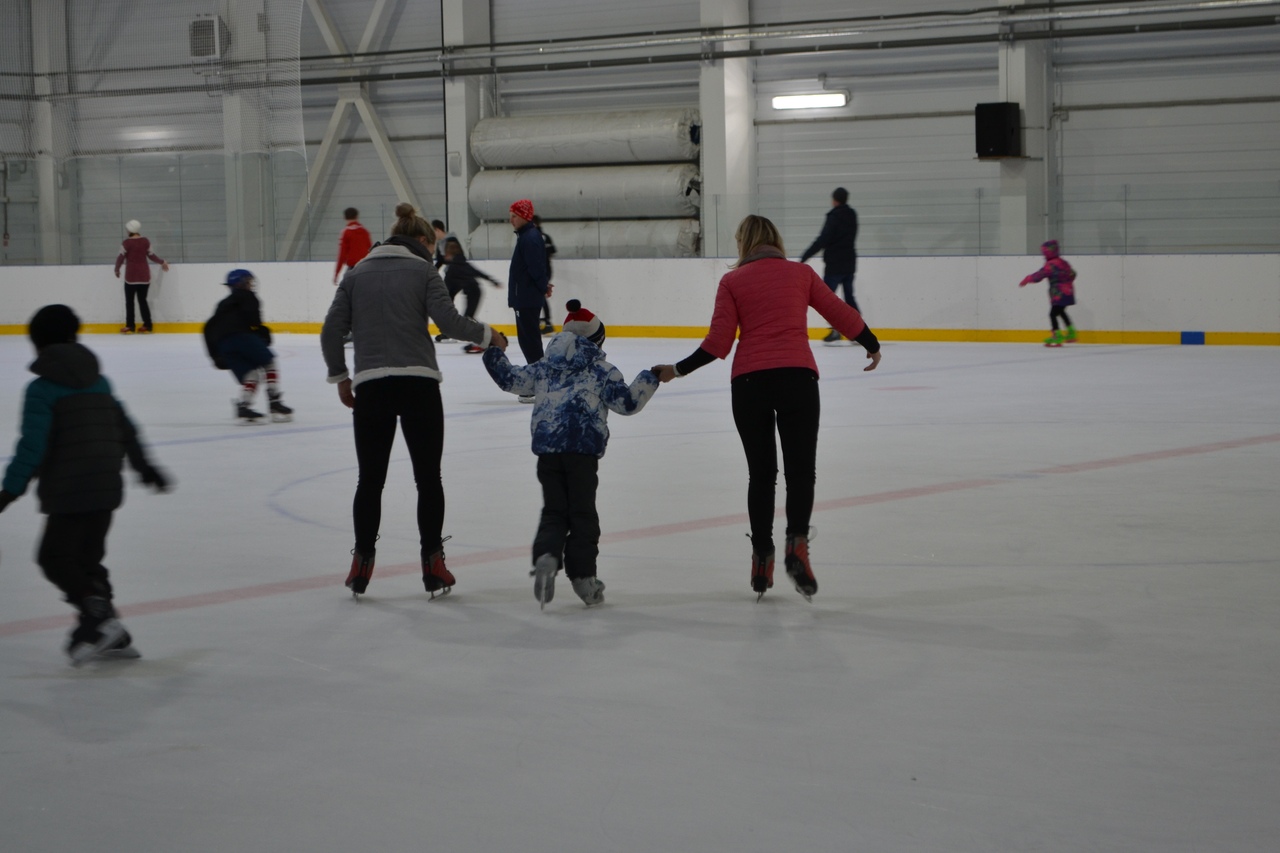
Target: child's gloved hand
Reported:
[(1025, 282), (6, 499), (155, 478)]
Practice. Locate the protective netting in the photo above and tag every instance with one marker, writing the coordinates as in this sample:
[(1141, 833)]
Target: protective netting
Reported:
[(163, 76)]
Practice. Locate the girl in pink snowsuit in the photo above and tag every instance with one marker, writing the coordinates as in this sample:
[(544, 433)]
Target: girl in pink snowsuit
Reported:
[(1062, 291)]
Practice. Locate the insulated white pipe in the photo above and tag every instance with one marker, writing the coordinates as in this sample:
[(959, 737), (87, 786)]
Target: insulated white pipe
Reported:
[(634, 136), (662, 191), (647, 238)]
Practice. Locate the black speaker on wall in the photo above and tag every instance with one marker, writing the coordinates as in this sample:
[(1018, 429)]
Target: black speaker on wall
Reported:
[(998, 129)]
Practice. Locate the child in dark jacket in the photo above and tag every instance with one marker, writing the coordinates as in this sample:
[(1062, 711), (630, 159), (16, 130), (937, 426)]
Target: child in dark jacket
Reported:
[(238, 341), (461, 277), (1062, 292), (75, 435), (574, 390)]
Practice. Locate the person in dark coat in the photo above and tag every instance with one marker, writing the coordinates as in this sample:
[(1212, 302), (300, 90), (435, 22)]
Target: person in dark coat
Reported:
[(547, 327), (461, 277), (238, 341), (528, 283), (839, 254), (75, 436)]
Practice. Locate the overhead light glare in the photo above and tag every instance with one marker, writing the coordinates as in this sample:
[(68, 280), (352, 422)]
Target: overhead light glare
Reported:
[(818, 100)]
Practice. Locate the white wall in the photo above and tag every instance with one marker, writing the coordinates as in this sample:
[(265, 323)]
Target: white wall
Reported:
[(1157, 293)]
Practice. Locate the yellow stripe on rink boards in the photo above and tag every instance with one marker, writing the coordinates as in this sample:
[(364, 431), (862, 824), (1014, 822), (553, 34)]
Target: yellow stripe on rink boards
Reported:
[(1011, 336)]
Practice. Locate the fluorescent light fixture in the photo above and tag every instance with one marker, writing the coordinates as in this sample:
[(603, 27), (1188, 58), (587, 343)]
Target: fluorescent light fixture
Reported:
[(818, 100)]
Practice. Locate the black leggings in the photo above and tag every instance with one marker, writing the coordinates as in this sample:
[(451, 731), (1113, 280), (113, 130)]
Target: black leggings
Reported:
[(784, 398), (1058, 311), (415, 402)]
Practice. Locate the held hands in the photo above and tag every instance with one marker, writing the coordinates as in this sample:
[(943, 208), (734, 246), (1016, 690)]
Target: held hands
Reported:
[(875, 361), (499, 340), (345, 394), (665, 372)]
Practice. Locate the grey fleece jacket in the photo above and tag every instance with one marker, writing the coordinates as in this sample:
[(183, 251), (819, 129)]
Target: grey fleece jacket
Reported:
[(385, 302)]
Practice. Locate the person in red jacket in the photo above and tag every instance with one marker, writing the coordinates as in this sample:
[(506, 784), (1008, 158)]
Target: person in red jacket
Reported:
[(134, 253), (354, 243), (764, 302)]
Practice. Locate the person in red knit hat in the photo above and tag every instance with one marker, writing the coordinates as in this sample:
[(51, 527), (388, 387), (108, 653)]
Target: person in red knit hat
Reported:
[(764, 303), (528, 282)]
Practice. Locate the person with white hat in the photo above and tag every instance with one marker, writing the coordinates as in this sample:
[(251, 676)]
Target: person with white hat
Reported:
[(134, 254)]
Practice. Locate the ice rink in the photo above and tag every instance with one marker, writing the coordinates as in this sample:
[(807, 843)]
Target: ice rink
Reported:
[(1048, 619)]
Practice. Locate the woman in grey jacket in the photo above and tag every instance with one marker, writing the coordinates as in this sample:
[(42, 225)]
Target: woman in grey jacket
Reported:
[(385, 302)]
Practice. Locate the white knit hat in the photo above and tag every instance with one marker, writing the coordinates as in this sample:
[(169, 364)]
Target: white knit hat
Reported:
[(133, 226)]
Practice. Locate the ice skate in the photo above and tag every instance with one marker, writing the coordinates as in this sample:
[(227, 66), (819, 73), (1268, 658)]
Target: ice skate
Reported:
[(145, 330), (590, 590), (280, 413), (361, 571), (473, 349), (1055, 340), (127, 330), (761, 573), (1071, 335), (121, 649), (99, 629), (833, 337), (544, 578), (245, 414), (798, 568), (435, 576), (527, 398)]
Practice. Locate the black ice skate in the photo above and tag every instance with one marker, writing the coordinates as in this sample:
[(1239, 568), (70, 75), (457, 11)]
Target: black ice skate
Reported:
[(544, 578), (99, 629), (280, 413), (121, 649), (245, 414), (361, 571), (761, 573), (435, 576), (798, 568)]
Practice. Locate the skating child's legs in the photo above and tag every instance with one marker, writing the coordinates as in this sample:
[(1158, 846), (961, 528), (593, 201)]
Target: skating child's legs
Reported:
[(70, 556), (569, 528)]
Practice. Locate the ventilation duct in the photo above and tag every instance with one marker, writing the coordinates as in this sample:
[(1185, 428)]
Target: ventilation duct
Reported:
[(591, 192), (637, 136), (619, 238)]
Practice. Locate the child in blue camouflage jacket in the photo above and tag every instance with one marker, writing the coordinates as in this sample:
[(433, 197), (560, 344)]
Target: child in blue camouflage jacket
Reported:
[(574, 390)]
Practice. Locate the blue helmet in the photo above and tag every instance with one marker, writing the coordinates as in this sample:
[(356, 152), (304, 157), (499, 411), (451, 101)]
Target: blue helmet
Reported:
[(237, 277)]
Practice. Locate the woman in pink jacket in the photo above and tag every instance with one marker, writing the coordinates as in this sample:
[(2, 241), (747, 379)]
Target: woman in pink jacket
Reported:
[(765, 302)]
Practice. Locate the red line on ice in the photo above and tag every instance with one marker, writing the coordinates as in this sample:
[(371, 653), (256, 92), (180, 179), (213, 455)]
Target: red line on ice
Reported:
[(205, 599)]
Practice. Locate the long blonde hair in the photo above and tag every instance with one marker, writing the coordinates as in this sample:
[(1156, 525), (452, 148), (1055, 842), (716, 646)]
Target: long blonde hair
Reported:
[(754, 232), (410, 224)]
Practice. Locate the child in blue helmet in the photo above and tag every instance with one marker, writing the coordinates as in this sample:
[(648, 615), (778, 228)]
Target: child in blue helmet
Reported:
[(238, 341)]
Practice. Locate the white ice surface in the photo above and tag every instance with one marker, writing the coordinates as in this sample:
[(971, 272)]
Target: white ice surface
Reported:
[(998, 658)]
